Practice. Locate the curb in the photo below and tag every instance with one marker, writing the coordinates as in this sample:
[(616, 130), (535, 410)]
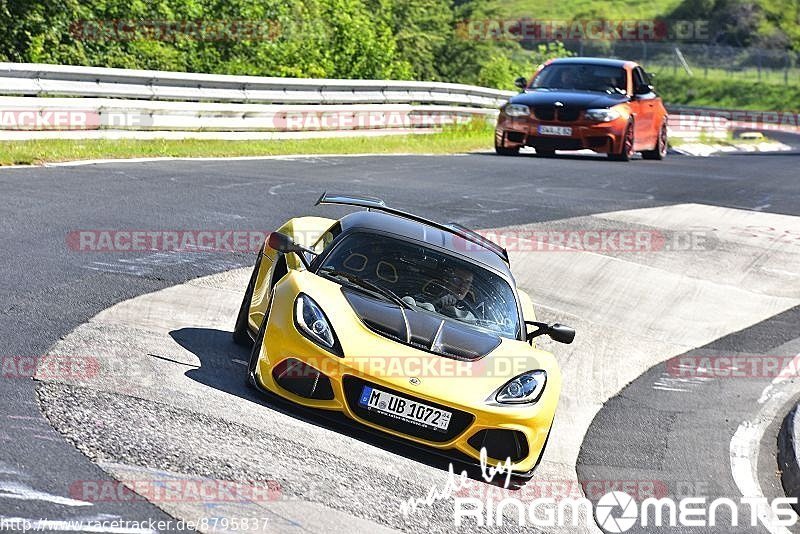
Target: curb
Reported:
[(789, 455)]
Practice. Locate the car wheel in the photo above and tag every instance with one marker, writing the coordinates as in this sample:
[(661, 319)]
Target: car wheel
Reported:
[(545, 153), (255, 354), (505, 151), (660, 150), (626, 152), (241, 335)]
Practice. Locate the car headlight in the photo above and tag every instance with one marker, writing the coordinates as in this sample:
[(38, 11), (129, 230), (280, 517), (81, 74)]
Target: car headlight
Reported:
[(524, 389), (601, 115), (517, 110), (312, 323)]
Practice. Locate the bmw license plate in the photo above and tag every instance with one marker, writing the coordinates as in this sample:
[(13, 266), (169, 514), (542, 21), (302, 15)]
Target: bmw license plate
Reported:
[(414, 412), (554, 130)]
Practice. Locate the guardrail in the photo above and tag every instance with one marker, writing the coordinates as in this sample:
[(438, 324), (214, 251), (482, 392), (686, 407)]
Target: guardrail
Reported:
[(59, 97), (38, 100)]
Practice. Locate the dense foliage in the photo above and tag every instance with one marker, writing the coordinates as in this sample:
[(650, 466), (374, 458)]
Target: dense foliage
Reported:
[(383, 39), (417, 39)]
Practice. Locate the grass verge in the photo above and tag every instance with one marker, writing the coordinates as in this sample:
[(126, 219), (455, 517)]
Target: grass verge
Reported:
[(475, 135)]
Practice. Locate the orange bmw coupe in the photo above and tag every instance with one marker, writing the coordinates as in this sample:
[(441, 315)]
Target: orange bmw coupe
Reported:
[(604, 105)]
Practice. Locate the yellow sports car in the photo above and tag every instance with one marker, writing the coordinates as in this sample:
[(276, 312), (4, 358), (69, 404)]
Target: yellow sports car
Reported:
[(408, 326)]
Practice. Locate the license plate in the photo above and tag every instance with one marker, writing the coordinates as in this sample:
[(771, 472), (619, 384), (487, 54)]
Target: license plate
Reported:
[(404, 409), (554, 130)]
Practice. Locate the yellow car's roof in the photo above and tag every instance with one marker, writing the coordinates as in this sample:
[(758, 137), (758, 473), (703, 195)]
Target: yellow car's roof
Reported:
[(418, 231)]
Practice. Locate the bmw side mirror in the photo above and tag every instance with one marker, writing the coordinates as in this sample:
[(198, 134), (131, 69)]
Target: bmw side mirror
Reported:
[(521, 82), (557, 332)]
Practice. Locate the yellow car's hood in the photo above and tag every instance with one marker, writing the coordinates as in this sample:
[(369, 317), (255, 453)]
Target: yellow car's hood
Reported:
[(425, 331), (397, 363)]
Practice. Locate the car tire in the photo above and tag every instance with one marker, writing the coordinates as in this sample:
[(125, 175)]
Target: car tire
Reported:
[(505, 151), (545, 153), (659, 152), (241, 334), (626, 151)]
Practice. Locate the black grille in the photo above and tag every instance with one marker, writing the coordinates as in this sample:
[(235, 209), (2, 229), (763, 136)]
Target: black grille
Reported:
[(544, 113), (458, 422), (515, 137), (302, 380), (501, 444), (568, 114), (553, 113)]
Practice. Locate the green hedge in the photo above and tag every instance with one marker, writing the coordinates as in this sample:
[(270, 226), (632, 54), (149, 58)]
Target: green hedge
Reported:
[(732, 94)]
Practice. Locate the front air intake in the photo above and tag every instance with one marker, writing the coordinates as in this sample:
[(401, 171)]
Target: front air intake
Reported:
[(303, 380), (501, 444)]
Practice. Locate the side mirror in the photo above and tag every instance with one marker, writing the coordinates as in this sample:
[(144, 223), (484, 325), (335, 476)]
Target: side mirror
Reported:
[(562, 333), (521, 82), (557, 332), (283, 243)]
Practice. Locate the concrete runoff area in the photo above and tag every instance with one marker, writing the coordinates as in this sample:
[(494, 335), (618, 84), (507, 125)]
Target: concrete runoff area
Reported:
[(169, 398)]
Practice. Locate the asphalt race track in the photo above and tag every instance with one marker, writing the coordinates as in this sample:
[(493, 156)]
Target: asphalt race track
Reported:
[(173, 403)]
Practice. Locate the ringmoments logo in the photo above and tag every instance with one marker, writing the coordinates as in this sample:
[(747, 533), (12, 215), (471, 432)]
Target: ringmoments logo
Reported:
[(616, 500), (615, 511)]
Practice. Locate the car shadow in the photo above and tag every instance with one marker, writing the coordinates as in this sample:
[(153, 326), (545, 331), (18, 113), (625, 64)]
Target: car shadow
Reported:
[(223, 367)]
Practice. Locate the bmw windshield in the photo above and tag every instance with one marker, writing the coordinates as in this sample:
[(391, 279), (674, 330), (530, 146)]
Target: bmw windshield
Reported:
[(582, 77), (423, 279)]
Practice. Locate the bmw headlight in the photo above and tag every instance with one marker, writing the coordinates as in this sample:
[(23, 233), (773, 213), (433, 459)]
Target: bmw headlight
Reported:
[(601, 115), (517, 110), (524, 389), (312, 323)]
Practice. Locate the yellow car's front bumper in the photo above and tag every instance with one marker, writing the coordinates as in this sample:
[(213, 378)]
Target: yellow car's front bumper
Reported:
[(462, 388)]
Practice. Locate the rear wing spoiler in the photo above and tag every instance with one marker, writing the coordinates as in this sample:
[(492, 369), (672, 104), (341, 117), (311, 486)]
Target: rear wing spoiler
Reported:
[(372, 203)]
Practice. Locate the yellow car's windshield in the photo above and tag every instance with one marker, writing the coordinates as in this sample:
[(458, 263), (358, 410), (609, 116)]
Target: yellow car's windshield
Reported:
[(427, 280)]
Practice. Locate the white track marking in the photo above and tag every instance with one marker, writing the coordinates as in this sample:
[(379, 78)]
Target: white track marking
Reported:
[(274, 189), (23, 492), (746, 444)]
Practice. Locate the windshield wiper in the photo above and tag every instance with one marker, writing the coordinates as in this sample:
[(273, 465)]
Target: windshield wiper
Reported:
[(366, 284)]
